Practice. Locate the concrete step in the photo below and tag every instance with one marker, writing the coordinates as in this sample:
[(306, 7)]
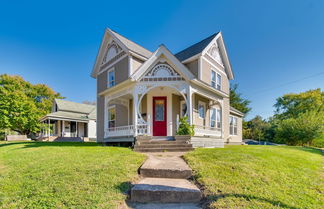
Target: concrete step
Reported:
[(160, 142), (165, 166), (162, 145), (170, 149), (165, 190)]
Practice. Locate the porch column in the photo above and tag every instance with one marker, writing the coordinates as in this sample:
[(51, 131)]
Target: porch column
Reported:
[(135, 101), (49, 129), (190, 106), (77, 131)]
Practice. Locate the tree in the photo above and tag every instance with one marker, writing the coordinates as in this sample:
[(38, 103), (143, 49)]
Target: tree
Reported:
[(22, 104), (291, 105), (237, 101), (256, 128), (302, 129)]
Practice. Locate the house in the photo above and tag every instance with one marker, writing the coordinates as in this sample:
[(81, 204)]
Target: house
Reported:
[(69, 121), (143, 93)]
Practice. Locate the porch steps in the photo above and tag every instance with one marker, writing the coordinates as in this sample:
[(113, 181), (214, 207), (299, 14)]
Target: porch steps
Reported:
[(164, 180), (162, 146)]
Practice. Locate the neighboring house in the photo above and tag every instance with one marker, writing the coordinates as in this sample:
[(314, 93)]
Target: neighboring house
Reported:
[(70, 120), (145, 93)]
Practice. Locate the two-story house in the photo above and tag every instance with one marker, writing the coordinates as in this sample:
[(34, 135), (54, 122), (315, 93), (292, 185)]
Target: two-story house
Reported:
[(145, 93)]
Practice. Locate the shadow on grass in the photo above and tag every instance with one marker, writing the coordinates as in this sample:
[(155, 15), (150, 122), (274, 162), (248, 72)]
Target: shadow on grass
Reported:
[(275, 203), (124, 187), (51, 144), (306, 149)]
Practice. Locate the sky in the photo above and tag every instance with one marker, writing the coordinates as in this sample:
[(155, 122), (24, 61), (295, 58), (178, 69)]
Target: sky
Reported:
[(275, 47)]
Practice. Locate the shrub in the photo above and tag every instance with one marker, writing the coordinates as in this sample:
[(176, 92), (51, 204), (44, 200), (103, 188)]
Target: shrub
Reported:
[(185, 128), (302, 129)]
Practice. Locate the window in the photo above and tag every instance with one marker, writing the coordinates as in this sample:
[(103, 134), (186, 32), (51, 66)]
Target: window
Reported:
[(201, 109), (111, 78), (233, 125), (215, 118), (213, 79), (183, 108), (111, 117), (111, 53), (216, 80)]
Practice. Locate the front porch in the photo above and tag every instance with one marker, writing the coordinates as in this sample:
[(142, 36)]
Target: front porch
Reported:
[(154, 109)]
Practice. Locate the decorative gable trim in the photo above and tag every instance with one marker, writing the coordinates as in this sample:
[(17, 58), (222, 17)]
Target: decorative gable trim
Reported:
[(214, 53), (162, 50), (112, 46), (218, 40), (162, 72)]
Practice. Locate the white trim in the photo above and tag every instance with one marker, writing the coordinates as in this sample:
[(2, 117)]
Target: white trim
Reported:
[(215, 66), (130, 65), (204, 105), (190, 59)]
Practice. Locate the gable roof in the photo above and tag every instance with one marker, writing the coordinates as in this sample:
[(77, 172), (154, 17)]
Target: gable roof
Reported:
[(195, 48), (162, 50), (75, 107), (235, 111), (124, 43), (132, 46)]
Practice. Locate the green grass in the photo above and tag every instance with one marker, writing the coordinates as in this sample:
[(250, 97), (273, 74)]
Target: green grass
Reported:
[(65, 175), (260, 176)]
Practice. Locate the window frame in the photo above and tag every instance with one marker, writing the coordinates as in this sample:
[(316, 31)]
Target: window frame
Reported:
[(203, 104), (218, 80), (109, 118), (218, 123), (109, 82), (182, 102), (233, 127)]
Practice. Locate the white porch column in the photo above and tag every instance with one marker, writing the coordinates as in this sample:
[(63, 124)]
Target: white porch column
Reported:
[(135, 113), (190, 105), (77, 129)]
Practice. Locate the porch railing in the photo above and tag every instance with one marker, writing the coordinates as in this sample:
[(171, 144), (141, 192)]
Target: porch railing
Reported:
[(127, 130), (207, 131)]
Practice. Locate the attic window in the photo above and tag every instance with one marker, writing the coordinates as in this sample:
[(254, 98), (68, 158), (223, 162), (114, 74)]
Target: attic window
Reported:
[(215, 53), (111, 53)]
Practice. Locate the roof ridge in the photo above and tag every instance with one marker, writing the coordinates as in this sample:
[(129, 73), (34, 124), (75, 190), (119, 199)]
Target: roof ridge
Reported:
[(76, 102), (129, 40)]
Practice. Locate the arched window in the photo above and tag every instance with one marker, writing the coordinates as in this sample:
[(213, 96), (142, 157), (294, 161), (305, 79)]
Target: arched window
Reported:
[(112, 51)]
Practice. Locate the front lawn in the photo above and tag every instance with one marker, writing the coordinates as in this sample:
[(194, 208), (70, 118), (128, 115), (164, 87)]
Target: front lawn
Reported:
[(69, 175), (260, 176)]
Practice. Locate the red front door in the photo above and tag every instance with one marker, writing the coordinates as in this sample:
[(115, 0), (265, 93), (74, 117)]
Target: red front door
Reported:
[(159, 116)]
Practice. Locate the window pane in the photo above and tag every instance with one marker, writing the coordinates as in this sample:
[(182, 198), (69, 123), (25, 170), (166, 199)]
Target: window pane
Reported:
[(231, 130), (213, 76), (184, 109), (159, 110), (111, 124), (201, 111), (212, 123), (235, 130)]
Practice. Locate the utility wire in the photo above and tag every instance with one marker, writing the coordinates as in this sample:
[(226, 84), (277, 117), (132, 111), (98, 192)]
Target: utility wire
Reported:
[(291, 82)]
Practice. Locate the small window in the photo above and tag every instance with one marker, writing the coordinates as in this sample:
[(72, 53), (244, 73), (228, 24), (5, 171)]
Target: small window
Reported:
[(233, 125), (111, 78), (215, 118), (219, 82), (111, 117), (213, 79), (201, 109), (111, 53), (183, 108)]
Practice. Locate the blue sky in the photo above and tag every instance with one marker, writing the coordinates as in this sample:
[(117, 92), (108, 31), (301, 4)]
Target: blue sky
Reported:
[(275, 47)]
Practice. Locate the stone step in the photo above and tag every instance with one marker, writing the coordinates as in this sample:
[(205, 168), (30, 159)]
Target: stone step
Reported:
[(161, 145), (173, 149), (165, 166), (165, 190), (160, 142)]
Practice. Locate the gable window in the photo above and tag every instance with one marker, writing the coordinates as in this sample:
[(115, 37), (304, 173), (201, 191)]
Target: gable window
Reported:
[(215, 118), (183, 108), (111, 78), (233, 125), (111, 53), (216, 80), (111, 117), (201, 109)]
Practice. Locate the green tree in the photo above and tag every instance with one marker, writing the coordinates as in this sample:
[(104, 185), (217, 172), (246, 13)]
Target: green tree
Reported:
[(302, 129), (256, 128), (22, 104), (291, 105), (237, 101)]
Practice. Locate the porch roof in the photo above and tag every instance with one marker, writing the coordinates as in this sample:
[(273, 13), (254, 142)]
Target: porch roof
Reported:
[(62, 115), (236, 112)]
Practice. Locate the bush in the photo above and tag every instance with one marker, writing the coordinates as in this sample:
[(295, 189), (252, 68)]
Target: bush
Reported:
[(301, 130), (185, 128), (319, 142)]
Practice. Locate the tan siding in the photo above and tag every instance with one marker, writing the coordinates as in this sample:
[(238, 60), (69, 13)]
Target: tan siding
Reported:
[(136, 63), (175, 111), (102, 82), (100, 118), (206, 76), (121, 70), (121, 115), (193, 67), (196, 119), (226, 118)]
